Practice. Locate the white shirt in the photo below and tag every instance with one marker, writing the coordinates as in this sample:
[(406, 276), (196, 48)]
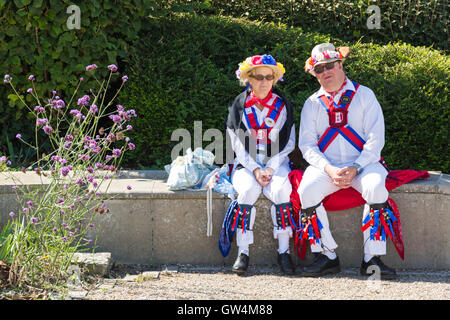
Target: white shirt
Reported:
[(365, 116), (243, 157)]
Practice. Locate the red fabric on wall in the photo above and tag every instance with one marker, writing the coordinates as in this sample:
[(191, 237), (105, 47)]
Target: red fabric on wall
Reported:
[(350, 198)]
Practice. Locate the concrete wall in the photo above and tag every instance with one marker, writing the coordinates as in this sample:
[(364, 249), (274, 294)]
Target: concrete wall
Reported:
[(152, 225)]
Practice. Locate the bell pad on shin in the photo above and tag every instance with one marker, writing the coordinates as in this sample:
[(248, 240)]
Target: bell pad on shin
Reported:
[(283, 212), (243, 218), (309, 212), (378, 206)]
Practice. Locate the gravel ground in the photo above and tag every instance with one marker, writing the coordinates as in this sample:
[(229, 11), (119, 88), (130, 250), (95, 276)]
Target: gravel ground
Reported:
[(261, 283)]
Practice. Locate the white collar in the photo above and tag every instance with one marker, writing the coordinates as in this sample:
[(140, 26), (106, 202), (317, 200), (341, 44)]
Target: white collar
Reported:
[(348, 86)]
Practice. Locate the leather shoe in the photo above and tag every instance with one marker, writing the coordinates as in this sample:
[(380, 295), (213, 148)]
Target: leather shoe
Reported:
[(285, 263), (385, 272), (321, 266), (241, 264)]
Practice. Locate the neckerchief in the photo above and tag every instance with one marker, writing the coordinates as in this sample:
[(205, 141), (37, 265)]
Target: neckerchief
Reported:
[(255, 100)]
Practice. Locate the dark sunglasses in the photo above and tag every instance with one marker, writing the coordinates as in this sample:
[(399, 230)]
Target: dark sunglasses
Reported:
[(321, 67), (260, 77)]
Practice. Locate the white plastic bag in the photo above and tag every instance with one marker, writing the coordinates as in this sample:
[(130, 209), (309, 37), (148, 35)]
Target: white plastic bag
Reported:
[(190, 170), (220, 182)]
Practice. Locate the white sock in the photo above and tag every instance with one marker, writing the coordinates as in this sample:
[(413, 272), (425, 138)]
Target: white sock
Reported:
[(367, 257), (243, 249), (330, 254), (283, 243)]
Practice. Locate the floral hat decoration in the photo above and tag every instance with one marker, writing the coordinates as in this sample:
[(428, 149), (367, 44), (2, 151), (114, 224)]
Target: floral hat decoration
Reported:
[(253, 62), (324, 53)]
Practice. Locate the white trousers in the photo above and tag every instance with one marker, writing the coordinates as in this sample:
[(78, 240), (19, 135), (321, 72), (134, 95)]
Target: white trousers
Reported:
[(316, 185), (278, 191)]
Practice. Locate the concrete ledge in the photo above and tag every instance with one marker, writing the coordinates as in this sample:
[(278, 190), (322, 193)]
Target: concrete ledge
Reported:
[(152, 225)]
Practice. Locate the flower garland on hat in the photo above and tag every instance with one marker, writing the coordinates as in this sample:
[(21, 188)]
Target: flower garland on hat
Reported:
[(258, 60), (341, 53)]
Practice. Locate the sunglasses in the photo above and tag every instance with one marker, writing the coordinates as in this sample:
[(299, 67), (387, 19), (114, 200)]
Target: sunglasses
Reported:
[(260, 77), (321, 67)]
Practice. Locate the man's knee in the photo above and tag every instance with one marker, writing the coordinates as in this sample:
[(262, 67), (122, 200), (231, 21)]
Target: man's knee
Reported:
[(310, 193), (374, 188), (278, 192)]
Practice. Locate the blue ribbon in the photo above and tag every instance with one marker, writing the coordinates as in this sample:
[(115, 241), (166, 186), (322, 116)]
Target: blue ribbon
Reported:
[(226, 234), (319, 224)]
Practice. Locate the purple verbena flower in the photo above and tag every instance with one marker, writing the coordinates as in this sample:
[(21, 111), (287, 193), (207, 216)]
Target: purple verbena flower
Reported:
[(131, 146), (57, 104), (12, 214), (31, 78), (64, 171), (112, 67), (132, 112), (48, 129), (18, 136), (41, 121), (84, 157), (34, 220), (84, 101), (110, 137), (91, 67), (93, 109), (116, 152), (124, 78), (76, 113), (115, 118)]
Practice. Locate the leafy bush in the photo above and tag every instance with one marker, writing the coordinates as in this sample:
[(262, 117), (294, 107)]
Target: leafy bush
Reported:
[(418, 22), (35, 39), (184, 71)]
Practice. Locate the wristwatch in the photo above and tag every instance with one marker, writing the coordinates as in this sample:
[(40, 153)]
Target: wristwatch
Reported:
[(359, 169)]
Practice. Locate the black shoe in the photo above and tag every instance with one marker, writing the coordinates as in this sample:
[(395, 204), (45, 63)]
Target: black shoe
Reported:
[(385, 272), (285, 263), (321, 266), (241, 264)]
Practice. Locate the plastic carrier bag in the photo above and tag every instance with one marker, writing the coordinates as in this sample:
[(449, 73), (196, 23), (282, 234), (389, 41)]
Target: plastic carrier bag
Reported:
[(190, 170), (220, 182)]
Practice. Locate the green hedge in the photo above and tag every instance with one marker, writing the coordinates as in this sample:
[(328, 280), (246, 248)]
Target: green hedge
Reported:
[(35, 39), (417, 22), (184, 71)]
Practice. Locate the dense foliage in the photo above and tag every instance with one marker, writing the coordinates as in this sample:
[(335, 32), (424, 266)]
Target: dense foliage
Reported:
[(417, 22), (41, 37), (184, 72), (182, 65)]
